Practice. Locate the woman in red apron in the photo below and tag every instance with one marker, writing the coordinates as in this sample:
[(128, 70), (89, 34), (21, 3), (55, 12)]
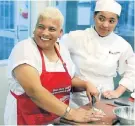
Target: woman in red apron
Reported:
[(58, 83), (46, 96)]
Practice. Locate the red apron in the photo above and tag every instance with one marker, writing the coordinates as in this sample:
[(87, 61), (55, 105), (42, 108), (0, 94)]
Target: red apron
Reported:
[(58, 83)]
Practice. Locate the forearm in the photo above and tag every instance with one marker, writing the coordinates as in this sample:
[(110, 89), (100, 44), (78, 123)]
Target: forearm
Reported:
[(127, 70), (45, 100), (77, 82), (30, 82), (120, 90), (89, 87)]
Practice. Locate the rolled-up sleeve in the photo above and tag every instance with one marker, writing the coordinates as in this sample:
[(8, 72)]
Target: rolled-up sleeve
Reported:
[(127, 69)]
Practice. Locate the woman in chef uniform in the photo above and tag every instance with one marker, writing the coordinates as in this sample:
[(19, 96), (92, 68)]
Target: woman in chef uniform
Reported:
[(99, 54), (40, 77)]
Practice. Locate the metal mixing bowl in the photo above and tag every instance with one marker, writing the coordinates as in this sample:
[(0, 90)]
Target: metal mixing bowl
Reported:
[(125, 115)]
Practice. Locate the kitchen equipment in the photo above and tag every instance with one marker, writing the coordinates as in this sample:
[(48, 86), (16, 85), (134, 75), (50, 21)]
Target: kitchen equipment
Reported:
[(121, 102), (94, 100), (125, 115), (133, 95), (100, 89)]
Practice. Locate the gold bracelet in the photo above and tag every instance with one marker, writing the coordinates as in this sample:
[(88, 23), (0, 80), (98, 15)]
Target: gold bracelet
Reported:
[(66, 112)]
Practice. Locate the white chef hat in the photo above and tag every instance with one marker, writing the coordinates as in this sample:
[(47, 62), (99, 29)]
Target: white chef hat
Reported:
[(108, 5)]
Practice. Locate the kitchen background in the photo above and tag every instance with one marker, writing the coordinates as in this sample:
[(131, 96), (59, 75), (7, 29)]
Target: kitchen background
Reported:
[(18, 18)]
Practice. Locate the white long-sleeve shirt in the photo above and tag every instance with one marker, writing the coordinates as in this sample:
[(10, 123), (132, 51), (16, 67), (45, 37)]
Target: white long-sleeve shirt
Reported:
[(98, 59)]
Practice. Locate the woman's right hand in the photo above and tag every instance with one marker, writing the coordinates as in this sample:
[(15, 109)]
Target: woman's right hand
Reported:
[(82, 115)]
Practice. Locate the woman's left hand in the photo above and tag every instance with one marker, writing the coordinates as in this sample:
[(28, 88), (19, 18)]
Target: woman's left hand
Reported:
[(91, 90), (115, 93), (110, 94)]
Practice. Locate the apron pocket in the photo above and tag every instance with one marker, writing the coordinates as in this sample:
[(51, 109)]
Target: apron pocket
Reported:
[(38, 119)]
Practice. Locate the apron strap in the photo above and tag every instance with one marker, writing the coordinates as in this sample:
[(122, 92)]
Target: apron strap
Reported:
[(42, 57), (16, 96), (63, 63)]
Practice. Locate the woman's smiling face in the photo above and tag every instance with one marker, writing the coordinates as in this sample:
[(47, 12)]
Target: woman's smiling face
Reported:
[(47, 32), (105, 22)]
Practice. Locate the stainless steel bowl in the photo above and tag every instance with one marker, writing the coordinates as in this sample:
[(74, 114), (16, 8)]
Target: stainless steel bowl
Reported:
[(125, 114)]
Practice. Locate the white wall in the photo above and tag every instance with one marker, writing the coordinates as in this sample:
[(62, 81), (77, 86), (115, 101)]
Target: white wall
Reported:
[(3, 91)]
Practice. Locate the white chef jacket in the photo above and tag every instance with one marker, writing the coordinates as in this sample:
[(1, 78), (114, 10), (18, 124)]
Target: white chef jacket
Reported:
[(27, 52), (98, 59)]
